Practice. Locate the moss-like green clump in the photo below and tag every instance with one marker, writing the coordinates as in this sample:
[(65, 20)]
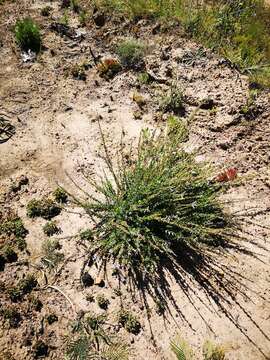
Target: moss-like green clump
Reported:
[(102, 302), (45, 208), (51, 228), (129, 321)]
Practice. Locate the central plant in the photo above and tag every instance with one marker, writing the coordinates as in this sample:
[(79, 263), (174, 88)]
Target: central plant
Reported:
[(156, 206)]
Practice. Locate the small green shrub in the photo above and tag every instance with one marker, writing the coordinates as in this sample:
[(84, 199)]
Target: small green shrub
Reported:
[(9, 254), (60, 195), (15, 294), (13, 227), (75, 6), (83, 17), (27, 35), (129, 322), (51, 228), (65, 18), (143, 78), (25, 286), (12, 315), (182, 349), (131, 53), (86, 235), (35, 303), (13, 233), (51, 318), (173, 101), (45, 208), (102, 302)]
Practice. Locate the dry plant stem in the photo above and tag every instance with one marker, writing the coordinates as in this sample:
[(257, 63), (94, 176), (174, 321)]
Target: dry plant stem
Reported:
[(62, 293)]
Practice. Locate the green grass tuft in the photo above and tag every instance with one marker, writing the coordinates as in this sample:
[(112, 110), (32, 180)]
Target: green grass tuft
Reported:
[(160, 206), (131, 53), (45, 208), (27, 35)]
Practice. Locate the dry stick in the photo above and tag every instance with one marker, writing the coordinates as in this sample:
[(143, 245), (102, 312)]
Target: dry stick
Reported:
[(93, 56), (61, 292)]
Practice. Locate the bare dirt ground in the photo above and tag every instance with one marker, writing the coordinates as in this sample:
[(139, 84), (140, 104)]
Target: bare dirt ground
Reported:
[(57, 139)]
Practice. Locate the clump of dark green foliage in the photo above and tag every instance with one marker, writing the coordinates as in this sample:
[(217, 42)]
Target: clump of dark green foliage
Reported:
[(9, 254), (14, 231), (13, 227), (51, 228), (131, 53), (51, 318), (102, 302), (27, 35), (78, 72), (60, 195), (12, 236), (129, 321), (91, 339), (12, 315), (45, 208)]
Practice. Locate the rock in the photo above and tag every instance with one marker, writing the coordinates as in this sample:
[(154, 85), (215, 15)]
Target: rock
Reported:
[(87, 280)]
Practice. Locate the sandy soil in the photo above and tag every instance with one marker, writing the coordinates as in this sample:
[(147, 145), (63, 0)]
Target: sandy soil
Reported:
[(57, 139)]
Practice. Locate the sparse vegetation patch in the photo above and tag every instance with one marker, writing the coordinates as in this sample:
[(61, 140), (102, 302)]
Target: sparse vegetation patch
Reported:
[(238, 30), (92, 339)]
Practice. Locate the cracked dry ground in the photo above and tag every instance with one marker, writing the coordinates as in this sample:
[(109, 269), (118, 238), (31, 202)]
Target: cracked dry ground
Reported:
[(57, 139)]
